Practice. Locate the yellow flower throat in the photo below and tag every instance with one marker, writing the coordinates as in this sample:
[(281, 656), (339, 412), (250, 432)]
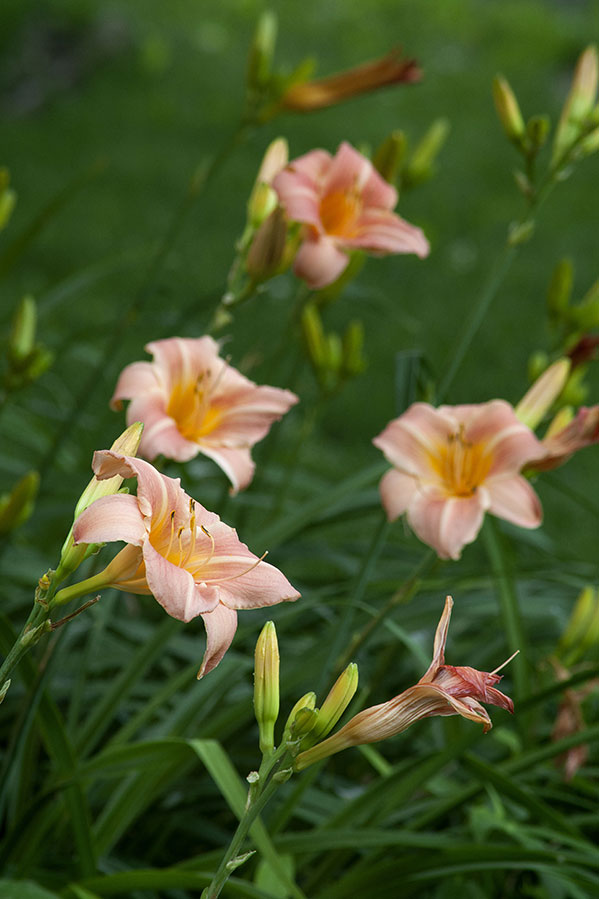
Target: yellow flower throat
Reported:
[(461, 466)]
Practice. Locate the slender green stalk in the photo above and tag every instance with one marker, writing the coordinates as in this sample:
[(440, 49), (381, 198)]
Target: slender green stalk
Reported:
[(508, 603), (407, 590), (21, 646), (258, 797), (356, 594)]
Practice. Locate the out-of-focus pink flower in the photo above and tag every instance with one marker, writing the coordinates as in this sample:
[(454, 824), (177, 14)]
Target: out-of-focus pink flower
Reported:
[(453, 464), (391, 69), (345, 205), (561, 441), (185, 556), (191, 401), (442, 690)]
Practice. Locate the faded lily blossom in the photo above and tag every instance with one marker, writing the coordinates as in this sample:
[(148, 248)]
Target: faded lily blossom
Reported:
[(344, 205), (185, 556), (453, 464), (565, 437), (191, 401), (442, 690), (391, 69)]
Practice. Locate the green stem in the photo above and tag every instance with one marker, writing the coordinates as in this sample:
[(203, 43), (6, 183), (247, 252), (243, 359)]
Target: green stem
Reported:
[(508, 603), (356, 594), (82, 588), (255, 805), (37, 616)]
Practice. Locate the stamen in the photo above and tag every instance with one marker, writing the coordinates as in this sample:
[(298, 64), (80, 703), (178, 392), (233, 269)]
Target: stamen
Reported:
[(503, 664), (233, 577), (193, 529), (170, 542), (179, 533), (212, 546)]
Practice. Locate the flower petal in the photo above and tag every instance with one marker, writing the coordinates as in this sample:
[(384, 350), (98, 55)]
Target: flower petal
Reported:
[(174, 587), (381, 231), (445, 523), (139, 377), (221, 625), (397, 491), (440, 641), (111, 518), (409, 440), (514, 500), (319, 262), (495, 424), (237, 463), (182, 359)]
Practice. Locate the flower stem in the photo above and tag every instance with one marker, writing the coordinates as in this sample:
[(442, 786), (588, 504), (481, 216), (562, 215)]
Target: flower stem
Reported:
[(508, 602), (37, 616)]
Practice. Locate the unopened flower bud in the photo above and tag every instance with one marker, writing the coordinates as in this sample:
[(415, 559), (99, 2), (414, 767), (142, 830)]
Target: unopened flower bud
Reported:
[(305, 719), (266, 685), (307, 701), (73, 555), (262, 51), (559, 421), (17, 506), (579, 104), (8, 198), (537, 401), (314, 335), (421, 165), (590, 143), (267, 249), (537, 131), (354, 362), (22, 338), (584, 614), (335, 704), (390, 155), (508, 110), (264, 198), (4, 689), (560, 289), (585, 316), (537, 364)]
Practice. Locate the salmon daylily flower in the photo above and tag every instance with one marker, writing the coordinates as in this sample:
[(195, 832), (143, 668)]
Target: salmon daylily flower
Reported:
[(442, 690), (185, 556), (344, 205), (191, 401), (453, 464)]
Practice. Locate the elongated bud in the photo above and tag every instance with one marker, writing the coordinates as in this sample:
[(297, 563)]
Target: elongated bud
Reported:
[(73, 555), (421, 165), (314, 336), (584, 613), (508, 110), (354, 361), (8, 198), (585, 316), (390, 156), (267, 249), (303, 723), (266, 685), (17, 506), (537, 132), (560, 289), (560, 421), (534, 405), (22, 338), (262, 50), (307, 701), (335, 704), (579, 105), (263, 198)]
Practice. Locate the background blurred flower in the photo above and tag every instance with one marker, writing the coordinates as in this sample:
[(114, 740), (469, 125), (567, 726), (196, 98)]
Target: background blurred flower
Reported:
[(185, 556), (453, 464), (191, 401), (345, 205)]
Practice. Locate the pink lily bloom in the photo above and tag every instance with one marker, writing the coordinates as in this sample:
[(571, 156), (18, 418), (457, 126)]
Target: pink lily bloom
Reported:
[(453, 464), (345, 205), (185, 556), (191, 401), (442, 690)]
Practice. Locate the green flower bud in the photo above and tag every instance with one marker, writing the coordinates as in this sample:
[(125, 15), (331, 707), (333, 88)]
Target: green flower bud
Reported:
[(267, 249), (508, 110), (17, 506), (421, 165), (22, 339), (266, 685), (560, 289), (335, 704), (259, 70), (579, 105), (8, 198), (390, 156), (307, 701)]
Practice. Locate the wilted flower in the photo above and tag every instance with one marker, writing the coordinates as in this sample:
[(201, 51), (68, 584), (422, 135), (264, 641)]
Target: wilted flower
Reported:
[(391, 69), (345, 205), (442, 690), (564, 438), (191, 401), (185, 556), (453, 464)]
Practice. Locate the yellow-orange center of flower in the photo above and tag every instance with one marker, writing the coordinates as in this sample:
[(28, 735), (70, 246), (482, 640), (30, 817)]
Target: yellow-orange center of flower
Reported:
[(191, 407), (339, 212), (461, 466)]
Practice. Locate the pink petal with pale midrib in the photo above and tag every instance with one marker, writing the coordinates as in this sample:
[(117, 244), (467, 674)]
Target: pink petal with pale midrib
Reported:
[(111, 518), (221, 625), (319, 262), (514, 500)]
